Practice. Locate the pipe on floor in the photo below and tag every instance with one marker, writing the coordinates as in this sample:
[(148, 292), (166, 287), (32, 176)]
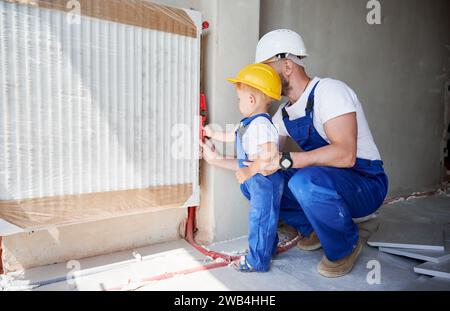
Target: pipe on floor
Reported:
[(190, 238), (190, 230), (414, 195), (1, 256), (169, 275)]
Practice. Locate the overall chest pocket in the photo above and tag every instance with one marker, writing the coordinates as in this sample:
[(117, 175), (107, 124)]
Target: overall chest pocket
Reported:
[(299, 130)]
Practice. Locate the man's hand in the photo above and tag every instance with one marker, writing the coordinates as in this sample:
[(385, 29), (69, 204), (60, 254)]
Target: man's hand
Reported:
[(244, 174), (269, 166)]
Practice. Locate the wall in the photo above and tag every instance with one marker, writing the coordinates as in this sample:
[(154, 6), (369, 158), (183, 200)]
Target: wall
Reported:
[(90, 239), (223, 211), (226, 49), (398, 69), (232, 49)]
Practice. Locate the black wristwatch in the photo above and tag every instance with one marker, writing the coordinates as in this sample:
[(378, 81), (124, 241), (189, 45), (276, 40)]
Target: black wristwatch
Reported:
[(286, 161)]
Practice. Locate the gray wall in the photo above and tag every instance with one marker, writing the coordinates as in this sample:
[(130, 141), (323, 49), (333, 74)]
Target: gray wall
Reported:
[(398, 69), (227, 46)]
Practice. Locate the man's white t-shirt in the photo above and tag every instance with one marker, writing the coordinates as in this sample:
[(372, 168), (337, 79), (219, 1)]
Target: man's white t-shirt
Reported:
[(332, 99), (259, 132)]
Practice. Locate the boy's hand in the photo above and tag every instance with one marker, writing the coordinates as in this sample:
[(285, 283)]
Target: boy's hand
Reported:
[(209, 152), (244, 174), (208, 131)]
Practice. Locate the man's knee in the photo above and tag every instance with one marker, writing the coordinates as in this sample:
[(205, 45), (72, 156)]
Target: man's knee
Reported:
[(311, 182), (301, 183)]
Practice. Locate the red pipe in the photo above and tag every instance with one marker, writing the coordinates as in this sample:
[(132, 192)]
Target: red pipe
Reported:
[(190, 229), (1, 256), (413, 195), (227, 259), (170, 275)]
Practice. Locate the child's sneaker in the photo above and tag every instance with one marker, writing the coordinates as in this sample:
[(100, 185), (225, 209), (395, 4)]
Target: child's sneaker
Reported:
[(242, 265)]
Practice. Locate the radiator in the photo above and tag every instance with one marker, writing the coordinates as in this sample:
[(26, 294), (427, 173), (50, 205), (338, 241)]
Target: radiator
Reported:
[(94, 111)]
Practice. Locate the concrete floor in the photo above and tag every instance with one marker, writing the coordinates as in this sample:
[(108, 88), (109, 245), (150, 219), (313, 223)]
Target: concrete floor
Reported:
[(291, 271)]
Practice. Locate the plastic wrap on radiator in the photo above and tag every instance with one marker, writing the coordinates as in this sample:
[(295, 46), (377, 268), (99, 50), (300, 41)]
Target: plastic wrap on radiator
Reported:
[(98, 116), (142, 13)]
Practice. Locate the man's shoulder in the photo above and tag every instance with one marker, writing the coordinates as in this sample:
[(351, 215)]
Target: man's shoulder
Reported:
[(334, 91), (330, 84)]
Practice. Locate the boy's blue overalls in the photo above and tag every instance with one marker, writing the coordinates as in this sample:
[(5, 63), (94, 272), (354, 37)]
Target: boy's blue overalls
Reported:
[(325, 199), (264, 193)]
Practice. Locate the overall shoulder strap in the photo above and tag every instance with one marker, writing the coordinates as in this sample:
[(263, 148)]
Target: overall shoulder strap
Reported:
[(284, 113), (310, 104), (247, 121)]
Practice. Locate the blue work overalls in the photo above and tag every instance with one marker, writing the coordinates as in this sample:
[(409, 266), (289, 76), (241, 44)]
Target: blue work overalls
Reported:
[(325, 199), (264, 194)]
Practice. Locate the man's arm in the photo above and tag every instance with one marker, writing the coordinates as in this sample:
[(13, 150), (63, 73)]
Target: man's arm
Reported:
[(282, 142), (342, 133)]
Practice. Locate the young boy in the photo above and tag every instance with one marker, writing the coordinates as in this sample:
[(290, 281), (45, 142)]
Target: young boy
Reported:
[(256, 138)]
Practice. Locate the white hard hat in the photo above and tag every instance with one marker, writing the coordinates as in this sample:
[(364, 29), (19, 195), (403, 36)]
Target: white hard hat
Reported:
[(278, 42)]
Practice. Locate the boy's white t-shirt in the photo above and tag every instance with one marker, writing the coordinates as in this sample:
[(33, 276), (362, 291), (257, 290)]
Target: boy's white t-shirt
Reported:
[(259, 132), (332, 99)]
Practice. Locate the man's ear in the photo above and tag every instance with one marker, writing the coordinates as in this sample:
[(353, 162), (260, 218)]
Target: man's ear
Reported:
[(288, 67)]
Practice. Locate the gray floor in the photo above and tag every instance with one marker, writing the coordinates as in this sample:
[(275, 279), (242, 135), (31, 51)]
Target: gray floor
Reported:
[(293, 270)]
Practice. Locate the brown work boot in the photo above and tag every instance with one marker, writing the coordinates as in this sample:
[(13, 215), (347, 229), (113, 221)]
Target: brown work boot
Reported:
[(335, 269), (309, 244)]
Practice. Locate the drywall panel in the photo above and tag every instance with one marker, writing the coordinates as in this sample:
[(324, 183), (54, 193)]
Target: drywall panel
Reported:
[(441, 270), (431, 256), (409, 236)]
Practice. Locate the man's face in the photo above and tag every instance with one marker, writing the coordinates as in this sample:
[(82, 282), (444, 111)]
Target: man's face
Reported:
[(285, 85)]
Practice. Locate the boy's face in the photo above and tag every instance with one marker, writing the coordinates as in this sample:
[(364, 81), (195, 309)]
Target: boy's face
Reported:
[(247, 102)]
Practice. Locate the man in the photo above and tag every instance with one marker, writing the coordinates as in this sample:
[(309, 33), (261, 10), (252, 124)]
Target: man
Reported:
[(340, 175)]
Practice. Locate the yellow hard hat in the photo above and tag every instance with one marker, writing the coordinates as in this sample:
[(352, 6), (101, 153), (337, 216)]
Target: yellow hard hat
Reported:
[(261, 77)]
